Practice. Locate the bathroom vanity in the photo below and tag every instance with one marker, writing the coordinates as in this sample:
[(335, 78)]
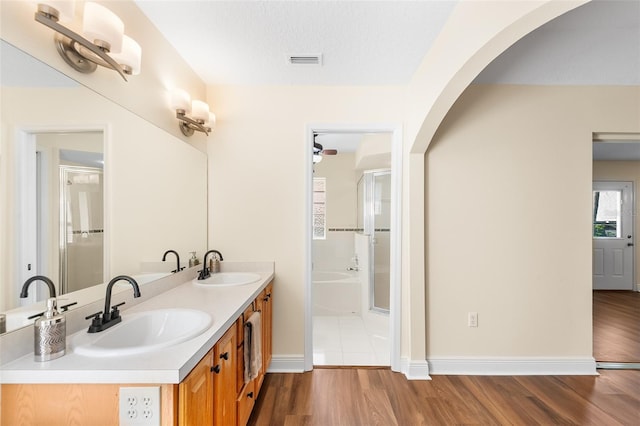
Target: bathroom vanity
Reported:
[(200, 381)]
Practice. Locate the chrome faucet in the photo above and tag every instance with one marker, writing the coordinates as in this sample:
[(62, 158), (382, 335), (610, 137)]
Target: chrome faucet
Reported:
[(52, 290), (164, 257), (205, 273), (111, 316), (355, 262)]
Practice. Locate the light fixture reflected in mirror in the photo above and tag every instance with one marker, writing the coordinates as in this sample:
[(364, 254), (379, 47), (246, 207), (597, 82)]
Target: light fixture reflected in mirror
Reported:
[(103, 43), (200, 119)]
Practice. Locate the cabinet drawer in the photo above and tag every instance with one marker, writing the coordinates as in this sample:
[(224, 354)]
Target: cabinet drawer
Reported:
[(246, 400)]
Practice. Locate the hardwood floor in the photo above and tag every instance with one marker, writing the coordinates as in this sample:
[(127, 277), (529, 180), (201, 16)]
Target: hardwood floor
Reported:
[(616, 326), (351, 397), (361, 396)]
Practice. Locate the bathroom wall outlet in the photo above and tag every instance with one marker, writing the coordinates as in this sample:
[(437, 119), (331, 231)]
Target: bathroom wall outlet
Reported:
[(473, 319), (139, 406)]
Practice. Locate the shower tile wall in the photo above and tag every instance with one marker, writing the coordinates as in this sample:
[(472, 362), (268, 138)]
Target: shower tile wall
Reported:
[(334, 253)]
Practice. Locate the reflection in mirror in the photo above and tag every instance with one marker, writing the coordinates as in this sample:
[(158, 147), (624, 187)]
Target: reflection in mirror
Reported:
[(69, 215), (102, 175)]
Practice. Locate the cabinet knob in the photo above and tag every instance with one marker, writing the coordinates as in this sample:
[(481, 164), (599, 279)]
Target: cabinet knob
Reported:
[(216, 369), (224, 356), (250, 395)]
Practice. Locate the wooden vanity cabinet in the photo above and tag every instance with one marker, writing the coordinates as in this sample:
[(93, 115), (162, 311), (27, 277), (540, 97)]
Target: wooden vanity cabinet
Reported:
[(246, 391), (204, 396), (195, 394), (267, 325), (224, 369), (230, 398)]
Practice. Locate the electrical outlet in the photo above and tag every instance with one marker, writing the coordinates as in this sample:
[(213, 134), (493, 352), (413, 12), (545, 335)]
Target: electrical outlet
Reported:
[(473, 319), (139, 406)]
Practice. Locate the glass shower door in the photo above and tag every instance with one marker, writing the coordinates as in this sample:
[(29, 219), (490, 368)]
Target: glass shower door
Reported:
[(82, 228), (381, 240), (374, 220)]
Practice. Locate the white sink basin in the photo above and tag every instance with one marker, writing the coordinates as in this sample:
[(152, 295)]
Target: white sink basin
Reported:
[(143, 332), (226, 279)]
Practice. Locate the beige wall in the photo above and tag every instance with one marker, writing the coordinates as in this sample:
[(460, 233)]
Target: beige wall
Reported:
[(508, 190), (257, 179), (628, 171)]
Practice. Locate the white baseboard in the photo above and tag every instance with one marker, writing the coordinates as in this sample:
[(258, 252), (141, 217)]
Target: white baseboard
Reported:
[(467, 366), (513, 366), (414, 369), (286, 364)]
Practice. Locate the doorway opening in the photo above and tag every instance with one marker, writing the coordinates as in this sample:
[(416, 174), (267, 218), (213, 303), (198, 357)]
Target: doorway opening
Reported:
[(353, 246), (61, 199), (616, 289)]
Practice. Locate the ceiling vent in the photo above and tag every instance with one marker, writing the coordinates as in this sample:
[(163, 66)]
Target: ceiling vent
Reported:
[(305, 59)]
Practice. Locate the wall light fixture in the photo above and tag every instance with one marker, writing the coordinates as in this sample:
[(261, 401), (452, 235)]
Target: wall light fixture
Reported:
[(103, 41), (201, 118)]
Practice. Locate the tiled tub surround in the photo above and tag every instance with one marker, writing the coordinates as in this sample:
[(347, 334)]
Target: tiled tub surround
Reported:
[(170, 365)]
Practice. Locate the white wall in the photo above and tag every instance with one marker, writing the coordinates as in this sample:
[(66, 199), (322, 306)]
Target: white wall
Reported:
[(508, 219)]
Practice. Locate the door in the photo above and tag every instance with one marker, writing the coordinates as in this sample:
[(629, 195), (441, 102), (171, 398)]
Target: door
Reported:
[(81, 228), (612, 232), (381, 241)]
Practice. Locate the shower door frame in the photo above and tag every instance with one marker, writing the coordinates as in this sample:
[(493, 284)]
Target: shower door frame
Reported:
[(395, 130), (369, 227), (63, 258)]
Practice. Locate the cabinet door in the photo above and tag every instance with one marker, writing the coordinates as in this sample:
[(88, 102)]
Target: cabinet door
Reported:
[(196, 395), (267, 326), (225, 360)]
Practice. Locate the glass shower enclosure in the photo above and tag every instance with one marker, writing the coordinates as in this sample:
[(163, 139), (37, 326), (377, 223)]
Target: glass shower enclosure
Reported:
[(374, 220)]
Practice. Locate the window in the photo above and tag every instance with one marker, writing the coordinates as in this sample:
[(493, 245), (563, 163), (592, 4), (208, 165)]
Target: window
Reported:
[(319, 208), (606, 214)]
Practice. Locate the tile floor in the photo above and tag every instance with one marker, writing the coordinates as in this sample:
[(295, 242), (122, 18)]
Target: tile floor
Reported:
[(349, 340)]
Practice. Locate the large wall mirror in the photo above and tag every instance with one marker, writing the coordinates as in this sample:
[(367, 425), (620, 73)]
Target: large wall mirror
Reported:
[(89, 190)]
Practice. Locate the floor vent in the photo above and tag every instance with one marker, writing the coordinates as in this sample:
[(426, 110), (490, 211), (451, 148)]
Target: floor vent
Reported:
[(305, 59)]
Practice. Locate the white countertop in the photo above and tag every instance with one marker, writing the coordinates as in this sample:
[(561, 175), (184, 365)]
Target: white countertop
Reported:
[(170, 365)]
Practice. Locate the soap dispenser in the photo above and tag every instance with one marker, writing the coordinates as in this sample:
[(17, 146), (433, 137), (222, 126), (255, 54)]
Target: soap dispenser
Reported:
[(50, 333), (193, 261)]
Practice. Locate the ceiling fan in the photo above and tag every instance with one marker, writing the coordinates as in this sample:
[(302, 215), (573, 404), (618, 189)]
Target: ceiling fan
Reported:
[(318, 149)]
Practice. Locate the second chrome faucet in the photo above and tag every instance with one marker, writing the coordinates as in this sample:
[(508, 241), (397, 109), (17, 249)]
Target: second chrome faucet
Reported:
[(206, 272)]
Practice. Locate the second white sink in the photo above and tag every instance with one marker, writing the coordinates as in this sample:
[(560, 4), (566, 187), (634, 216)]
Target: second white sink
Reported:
[(143, 332), (222, 279)]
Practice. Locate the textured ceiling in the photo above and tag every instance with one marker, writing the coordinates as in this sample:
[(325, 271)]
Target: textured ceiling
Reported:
[(383, 42), (247, 42)]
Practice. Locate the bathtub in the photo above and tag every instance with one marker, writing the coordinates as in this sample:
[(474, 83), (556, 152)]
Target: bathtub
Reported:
[(335, 293)]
